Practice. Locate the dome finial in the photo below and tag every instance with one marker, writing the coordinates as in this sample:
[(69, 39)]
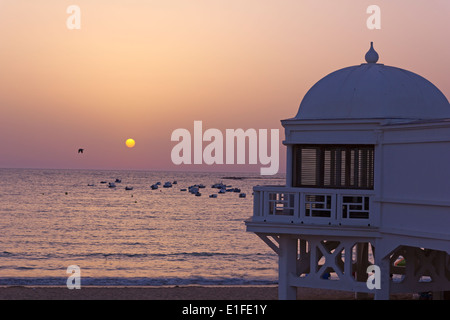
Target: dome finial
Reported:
[(372, 55)]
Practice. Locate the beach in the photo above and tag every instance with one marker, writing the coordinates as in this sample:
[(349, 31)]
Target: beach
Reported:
[(171, 293)]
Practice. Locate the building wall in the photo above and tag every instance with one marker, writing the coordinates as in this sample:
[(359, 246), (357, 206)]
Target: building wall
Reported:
[(412, 169), (415, 180)]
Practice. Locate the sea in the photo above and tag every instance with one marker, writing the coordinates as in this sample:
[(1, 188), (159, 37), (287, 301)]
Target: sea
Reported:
[(53, 219)]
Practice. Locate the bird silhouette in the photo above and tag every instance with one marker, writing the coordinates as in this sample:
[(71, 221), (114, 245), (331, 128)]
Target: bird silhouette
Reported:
[(80, 150)]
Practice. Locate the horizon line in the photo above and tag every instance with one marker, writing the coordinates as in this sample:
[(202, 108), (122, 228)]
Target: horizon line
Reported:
[(148, 170)]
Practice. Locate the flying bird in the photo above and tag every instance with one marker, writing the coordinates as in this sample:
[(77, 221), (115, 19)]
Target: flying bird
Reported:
[(80, 150)]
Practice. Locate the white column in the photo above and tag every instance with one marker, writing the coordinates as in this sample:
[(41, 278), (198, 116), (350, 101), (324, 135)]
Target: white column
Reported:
[(287, 259), (289, 171), (362, 257), (385, 280)]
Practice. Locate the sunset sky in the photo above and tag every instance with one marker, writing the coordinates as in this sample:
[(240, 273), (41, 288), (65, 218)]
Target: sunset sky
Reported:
[(141, 69)]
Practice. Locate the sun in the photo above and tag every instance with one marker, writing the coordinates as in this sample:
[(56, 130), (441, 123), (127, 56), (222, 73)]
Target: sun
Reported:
[(130, 143)]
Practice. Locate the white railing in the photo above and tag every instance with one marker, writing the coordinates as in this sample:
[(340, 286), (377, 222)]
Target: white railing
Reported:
[(338, 207)]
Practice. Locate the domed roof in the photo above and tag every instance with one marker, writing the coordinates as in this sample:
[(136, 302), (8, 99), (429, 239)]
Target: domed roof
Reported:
[(373, 91)]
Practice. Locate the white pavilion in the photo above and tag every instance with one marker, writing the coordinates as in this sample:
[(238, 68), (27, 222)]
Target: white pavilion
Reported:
[(367, 183)]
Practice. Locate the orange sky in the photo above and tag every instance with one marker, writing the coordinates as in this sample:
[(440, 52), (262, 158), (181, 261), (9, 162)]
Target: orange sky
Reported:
[(141, 69)]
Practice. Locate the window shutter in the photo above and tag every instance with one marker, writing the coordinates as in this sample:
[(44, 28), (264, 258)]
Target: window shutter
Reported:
[(334, 166)]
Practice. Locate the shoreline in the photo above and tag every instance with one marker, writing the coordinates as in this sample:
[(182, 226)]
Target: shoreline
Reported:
[(185, 292)]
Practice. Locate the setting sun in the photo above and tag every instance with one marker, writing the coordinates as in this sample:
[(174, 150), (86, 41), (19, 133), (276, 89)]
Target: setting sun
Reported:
[(130, 143)]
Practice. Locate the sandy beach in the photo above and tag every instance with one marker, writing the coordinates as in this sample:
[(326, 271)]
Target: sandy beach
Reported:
[(171, 293)]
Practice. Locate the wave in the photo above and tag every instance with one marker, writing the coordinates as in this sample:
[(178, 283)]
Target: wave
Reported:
[(137, 281), (32, 256), (6, 254), (156, 255)]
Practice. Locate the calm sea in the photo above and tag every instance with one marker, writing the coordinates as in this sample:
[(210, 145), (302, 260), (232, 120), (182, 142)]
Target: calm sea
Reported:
[(50, 219)]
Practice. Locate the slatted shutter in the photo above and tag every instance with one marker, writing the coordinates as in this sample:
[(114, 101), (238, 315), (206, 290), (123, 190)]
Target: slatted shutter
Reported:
[(334, 166)]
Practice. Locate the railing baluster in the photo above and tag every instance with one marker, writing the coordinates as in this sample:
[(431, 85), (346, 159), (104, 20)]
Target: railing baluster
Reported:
[(266, 204), (287, 204)]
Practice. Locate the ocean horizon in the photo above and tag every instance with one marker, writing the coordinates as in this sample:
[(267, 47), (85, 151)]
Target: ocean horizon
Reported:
[(53, 218)]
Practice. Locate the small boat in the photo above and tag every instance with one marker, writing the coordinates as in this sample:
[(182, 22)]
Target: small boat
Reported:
[(213, 195), (175, 182), (242, 195), (158, 183), (128, 188), (218, 185), (201, 186), (167, 185), (154, 186), (198, 194), (237, 190), (90, 184), (183, 189), (222, 191), (193, 189), (102, 181), (118, 181), (111, 185)]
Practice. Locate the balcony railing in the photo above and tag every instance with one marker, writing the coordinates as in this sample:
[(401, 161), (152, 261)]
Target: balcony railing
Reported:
[(338, 207)]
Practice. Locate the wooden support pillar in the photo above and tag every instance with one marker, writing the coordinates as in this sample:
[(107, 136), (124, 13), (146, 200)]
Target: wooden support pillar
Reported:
[(362, 262), (385, 278), (303, 260), (289, 166), (287, 261), (440, 268)]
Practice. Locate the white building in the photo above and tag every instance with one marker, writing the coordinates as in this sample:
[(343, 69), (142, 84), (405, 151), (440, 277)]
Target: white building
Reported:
[(367, 182)]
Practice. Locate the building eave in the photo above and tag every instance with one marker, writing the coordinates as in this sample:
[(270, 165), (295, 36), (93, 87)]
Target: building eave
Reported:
[(319, 230)]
